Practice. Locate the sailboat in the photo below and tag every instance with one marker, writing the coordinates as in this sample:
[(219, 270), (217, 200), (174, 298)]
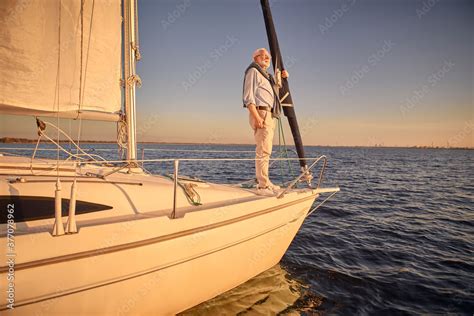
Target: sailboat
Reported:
[(85, 236)]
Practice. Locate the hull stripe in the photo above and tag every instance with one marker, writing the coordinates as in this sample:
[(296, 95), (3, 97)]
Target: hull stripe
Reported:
[(141, 243)]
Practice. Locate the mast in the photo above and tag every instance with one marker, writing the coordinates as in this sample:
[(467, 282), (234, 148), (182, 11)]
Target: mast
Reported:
[(285, 95), (130, 47)]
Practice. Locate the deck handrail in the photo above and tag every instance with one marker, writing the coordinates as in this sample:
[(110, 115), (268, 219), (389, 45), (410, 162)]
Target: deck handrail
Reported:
[(306, 173)]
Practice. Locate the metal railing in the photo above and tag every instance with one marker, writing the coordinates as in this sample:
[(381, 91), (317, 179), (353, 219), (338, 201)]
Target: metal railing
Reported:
[(305, 174), (121, 164)]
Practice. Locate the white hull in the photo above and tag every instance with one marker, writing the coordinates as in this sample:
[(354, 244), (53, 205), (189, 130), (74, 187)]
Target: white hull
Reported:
[(135, 259)]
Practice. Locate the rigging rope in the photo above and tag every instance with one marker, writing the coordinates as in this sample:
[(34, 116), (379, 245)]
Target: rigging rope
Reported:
[(58, 86), (83, 78), (191, 194), (122, 137), (284, 150), (79, 127), (136, 45), (41, 129)]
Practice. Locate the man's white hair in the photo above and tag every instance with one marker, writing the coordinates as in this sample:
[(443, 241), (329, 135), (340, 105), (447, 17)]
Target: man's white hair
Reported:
[(258, 51)]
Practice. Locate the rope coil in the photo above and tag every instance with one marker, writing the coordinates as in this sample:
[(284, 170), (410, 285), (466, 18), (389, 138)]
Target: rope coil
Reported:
[(134, 79), (191, 194)]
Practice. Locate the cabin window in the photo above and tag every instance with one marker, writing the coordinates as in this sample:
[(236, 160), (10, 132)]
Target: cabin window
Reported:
[(28, 208)]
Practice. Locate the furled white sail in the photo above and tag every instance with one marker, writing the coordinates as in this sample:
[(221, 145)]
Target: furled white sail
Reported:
[(60, 56)]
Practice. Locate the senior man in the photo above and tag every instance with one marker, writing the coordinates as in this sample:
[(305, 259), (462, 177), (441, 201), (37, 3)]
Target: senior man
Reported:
[(260, 97)]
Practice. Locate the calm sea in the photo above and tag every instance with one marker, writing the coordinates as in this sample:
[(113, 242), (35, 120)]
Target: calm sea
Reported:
[(397, 239)]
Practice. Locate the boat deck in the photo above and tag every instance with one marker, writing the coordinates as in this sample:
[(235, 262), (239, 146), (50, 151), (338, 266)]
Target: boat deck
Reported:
[(122, 196)]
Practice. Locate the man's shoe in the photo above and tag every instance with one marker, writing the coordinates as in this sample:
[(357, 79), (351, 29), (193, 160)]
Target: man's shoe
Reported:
[(267, 191), (273, 187)]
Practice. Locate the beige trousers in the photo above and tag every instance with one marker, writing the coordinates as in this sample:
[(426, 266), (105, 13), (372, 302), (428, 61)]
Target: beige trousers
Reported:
[(264, 143)]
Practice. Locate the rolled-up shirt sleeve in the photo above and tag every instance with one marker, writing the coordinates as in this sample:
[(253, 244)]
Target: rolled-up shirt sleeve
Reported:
[(250, 87)]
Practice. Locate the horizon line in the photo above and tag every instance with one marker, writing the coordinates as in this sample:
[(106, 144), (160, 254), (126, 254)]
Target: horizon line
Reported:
[(16, 140)]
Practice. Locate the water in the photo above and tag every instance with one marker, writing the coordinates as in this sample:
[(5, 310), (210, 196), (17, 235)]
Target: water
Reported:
[(397, 239)]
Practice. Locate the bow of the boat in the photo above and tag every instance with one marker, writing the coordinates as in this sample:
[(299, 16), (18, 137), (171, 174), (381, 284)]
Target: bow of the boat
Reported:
[(138, 247)]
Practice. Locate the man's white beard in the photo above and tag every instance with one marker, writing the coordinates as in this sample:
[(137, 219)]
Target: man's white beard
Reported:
[(264, 65)]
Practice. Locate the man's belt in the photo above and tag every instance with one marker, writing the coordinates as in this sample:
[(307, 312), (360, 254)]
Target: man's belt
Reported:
[(264, 108)]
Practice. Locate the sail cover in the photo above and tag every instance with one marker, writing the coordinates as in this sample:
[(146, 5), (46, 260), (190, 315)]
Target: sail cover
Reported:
[(285, 95), (60, 56)]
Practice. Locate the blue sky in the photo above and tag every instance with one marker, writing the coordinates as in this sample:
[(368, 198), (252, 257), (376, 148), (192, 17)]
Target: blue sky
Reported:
[(362, 72)]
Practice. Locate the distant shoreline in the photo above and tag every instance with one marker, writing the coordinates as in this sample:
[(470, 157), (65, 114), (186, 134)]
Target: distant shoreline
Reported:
[(15, 140)]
